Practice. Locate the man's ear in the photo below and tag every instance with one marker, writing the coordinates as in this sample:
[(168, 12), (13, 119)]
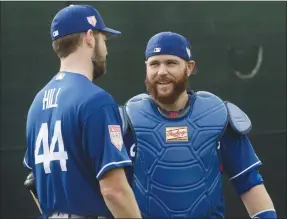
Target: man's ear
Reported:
[(190, 67), (89, 38)]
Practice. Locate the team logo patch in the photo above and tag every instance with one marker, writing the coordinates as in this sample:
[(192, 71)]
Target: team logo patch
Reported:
[(116, 136), (188, 52), (176, 133), (92, 20)]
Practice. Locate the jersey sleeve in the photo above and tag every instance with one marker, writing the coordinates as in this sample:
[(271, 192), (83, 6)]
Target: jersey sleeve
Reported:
[(237, 155), (102, 136), (27, 160)]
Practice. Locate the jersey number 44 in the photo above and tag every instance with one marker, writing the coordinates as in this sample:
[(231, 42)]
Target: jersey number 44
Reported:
[(49, 153)]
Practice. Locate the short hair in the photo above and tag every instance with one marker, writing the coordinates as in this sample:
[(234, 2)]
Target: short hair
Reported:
[(66, 45)]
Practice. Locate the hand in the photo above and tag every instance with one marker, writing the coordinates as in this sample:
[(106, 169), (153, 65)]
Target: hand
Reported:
[(30, 183)]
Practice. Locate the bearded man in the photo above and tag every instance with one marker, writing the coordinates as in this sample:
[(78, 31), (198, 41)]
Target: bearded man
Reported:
[(183, 141), (75, 149)]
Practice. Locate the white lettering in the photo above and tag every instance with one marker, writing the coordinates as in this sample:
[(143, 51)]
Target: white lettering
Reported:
[(45, 99), (132, 150), (50, 99), (218, 145), (49, 153)]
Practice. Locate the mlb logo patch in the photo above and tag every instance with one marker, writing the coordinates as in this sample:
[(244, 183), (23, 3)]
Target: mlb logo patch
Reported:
[(116, 136), (156, 49), (60, 76), (176, 133), (92, 20)]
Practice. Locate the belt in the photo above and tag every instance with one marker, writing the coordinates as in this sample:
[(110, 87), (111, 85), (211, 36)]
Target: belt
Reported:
[(64, 215)]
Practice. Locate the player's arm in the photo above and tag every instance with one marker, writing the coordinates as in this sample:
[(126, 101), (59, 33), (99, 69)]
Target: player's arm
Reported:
[(30, 185), (103, 135), (29, 182), (118, 194), (241, 164), (258, 202)]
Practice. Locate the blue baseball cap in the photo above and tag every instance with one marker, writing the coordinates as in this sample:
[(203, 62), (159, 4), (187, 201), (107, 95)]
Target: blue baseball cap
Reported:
[(169, 43), (77, 19)]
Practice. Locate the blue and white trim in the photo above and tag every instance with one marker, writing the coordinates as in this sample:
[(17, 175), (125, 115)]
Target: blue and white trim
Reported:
[(26, 164), (117, 164), (266, 212), (243, 171)]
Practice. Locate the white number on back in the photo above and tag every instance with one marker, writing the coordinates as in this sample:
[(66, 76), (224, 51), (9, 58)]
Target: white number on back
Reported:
[(48, 152)]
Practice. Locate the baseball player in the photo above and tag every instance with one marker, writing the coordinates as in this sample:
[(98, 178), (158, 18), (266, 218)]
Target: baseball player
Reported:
[(185, 140), (75, 148)]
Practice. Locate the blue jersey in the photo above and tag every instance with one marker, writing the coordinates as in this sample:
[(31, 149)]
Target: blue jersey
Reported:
[(74, 137), (240, 164), (236, 155)]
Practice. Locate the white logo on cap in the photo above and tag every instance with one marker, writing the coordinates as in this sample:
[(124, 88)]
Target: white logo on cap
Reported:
[(55, 33), (92, 20), (188, 52), (156, 49)]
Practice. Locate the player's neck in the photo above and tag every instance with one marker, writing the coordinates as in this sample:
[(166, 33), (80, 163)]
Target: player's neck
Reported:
[(78, 65), (179, 104)]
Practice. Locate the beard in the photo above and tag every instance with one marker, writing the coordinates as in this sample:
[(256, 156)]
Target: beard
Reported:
[(99, 64), (178, 87)]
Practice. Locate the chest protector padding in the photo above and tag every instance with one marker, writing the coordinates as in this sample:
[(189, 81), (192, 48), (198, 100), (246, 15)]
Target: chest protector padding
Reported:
[(177, 171)]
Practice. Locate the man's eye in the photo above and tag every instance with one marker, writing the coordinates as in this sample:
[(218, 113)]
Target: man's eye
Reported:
[(153, 64), (171, 63)]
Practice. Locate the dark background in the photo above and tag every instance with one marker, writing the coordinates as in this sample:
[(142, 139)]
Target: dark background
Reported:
[(225, 37)]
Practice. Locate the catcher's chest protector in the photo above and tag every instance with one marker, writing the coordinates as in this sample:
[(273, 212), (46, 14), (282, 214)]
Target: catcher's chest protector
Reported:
[(177, 171)]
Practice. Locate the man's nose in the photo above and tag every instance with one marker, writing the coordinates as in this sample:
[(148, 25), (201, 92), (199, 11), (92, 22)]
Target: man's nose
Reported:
[(162, 70)]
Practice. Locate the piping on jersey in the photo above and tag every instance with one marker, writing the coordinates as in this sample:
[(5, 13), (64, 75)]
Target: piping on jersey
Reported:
[(109, 164), (243, 171), (260, 212), (27, 164)]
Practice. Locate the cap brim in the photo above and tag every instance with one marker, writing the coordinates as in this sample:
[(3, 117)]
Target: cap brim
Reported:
[(111, 32)]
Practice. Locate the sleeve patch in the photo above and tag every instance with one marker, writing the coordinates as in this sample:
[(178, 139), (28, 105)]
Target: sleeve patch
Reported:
[(116, 136)]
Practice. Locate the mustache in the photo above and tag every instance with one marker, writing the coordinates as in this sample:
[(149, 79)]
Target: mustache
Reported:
[(158, 79)]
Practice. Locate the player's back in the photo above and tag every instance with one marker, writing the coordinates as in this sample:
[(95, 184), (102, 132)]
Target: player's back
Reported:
[(64, 172)]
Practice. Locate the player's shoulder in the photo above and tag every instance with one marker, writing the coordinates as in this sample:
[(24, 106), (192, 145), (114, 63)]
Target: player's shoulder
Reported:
[(96, 100), (238, 120), (99, 97), (205, 94)]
